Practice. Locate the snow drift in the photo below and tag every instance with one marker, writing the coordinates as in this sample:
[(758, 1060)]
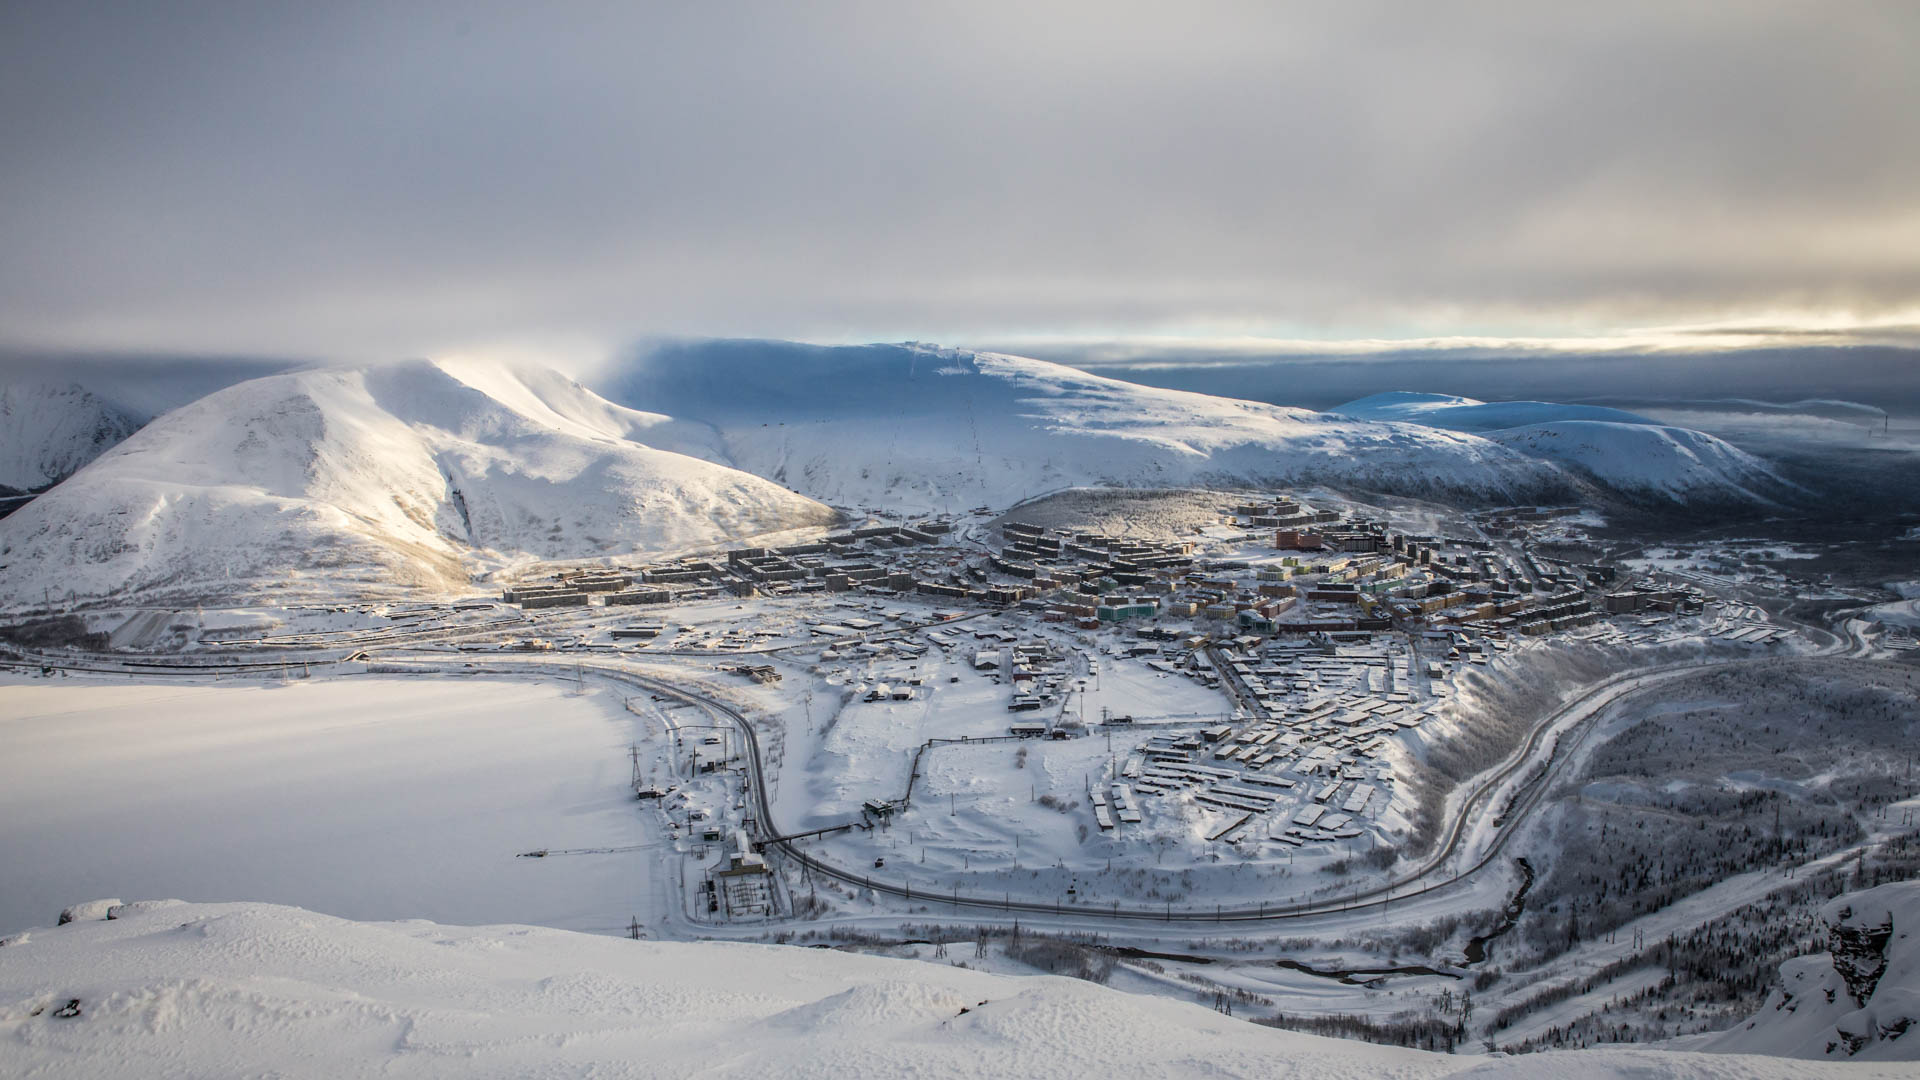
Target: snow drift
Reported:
[(410, 474), (249, 989), (945, 429)]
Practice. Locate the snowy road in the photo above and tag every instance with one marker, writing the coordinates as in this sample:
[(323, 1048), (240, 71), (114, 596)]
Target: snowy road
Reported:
[(1475, 838), (1466, 866)]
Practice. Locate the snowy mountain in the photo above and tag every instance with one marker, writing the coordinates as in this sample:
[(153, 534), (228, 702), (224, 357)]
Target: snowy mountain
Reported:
[(1469, 414), (49, 429), (1623, 451), (919, 427), (58, 411), (412, 474), (1858, 1001), (1654, 460), (253, 989)]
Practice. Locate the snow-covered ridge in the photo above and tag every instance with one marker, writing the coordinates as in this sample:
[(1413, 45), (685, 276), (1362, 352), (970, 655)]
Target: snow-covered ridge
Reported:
[(50, 429), (1649, 459), (58, 412), (1613, 448), (243, 989), (915, 426), (411, 474), (1470, 414)]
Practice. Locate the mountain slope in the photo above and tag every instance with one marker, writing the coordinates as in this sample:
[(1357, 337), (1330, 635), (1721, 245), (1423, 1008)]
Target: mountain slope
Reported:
[(1623, 451), (1470, 414), (1858, 1001), (1673, 463), (255, 989), (411, 474), (893, 425), (49, 429)]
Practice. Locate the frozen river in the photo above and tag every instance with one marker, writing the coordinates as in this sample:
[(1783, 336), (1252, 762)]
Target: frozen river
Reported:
[(364, 797)]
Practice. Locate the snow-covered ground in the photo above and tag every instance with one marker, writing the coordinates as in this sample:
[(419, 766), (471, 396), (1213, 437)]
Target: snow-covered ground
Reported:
[(243, 989), (364, 797), (1902, 612), (1673, 463)]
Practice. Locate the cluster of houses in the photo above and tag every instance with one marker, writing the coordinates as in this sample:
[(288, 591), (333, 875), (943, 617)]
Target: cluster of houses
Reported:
[(1325, 575), (841, 562), (1300, 781), (1037, 671)]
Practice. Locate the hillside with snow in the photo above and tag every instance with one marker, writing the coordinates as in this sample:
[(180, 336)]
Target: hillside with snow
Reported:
[(163, 987), (49, 429), (58, 412), (1618, 450), (1858, 1001), (1470, 414), (413, 474), (922, 428), (1673, 463)]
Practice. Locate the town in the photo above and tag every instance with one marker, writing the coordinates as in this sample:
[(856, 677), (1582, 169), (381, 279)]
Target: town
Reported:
[(1012, 707)]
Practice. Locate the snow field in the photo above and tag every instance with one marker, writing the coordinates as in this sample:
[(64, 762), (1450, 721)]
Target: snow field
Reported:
[(361, 796), (226, 989)]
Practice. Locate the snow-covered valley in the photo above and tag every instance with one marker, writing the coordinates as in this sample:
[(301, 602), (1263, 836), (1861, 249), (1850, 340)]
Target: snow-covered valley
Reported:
[(1284, 711)]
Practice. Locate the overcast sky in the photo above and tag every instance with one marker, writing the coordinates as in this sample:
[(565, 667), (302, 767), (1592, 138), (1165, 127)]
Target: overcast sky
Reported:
[(358, 181)]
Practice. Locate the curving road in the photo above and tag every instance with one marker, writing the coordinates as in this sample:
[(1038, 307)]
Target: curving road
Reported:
[(1558, 733), (1549, 743)]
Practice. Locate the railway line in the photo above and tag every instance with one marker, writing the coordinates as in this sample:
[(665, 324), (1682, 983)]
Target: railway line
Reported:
[(1547, 749), (1430, 878)]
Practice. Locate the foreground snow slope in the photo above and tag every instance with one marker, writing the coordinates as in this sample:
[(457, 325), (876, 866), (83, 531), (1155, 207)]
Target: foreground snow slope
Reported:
[(166, 988), (1859, 1000), (893, 425), (50, 428), (411, 474)]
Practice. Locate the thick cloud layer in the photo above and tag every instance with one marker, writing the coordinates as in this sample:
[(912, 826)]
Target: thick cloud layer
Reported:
[(349, 179)]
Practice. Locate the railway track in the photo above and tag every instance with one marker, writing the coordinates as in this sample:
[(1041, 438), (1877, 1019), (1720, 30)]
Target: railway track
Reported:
[(1431, 877), (1428, 879)]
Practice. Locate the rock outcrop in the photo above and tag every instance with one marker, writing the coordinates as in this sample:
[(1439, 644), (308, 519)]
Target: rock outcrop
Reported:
[(1859, 1000)]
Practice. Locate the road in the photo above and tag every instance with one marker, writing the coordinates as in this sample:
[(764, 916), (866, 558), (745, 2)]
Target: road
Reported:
[(1550, 743), (1475, 831)]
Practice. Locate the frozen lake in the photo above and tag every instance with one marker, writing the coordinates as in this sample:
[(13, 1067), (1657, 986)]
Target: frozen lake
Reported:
[(364, 797)]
